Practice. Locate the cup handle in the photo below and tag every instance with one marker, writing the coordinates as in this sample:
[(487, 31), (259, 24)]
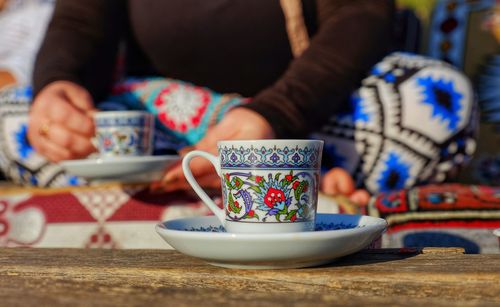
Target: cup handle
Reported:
[(219, 213)]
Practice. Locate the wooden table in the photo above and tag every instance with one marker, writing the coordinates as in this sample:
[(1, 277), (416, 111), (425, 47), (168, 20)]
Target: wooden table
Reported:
[(74, 277)]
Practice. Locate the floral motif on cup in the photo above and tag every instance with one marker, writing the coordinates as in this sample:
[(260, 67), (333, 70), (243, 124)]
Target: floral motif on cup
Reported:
[(123, 142), (276, 197), (270, 157)]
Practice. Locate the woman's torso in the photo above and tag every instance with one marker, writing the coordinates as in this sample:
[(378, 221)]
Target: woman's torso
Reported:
[(227, 45)]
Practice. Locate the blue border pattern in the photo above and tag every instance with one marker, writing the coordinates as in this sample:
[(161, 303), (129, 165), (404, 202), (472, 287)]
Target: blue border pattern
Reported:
[(319, 227), (303, 157), (136, 121)]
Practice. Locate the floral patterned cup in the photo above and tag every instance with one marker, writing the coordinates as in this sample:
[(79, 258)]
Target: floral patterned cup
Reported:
[(124, 133), (268, 186)]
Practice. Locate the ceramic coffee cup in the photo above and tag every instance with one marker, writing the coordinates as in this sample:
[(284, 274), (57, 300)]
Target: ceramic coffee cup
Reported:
[(268, 186), (123, 133)]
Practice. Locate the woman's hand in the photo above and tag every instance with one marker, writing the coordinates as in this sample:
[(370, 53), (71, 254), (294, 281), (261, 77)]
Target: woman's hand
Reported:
[(337, 181), (237, 124), (60, 123)]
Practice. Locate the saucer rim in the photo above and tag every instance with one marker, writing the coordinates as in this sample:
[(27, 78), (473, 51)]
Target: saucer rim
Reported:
[(378, 224), (116, 160), (121, 169)]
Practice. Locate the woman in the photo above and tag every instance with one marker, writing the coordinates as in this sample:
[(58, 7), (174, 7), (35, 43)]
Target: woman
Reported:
[(297, 61), (228, 46)]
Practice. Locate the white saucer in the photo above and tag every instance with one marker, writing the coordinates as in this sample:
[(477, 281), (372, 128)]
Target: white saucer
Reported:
[(128, 169), (203, 237)]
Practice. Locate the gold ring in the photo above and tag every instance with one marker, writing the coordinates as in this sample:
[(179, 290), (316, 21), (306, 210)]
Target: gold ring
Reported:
[(44, 129)]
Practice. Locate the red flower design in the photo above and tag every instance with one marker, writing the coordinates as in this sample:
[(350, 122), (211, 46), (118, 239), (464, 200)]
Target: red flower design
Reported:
[(107, 142), (258, 179), (273, 196), (294, 217), (296, 184), (289, 177), (251, 213), (182, 106)]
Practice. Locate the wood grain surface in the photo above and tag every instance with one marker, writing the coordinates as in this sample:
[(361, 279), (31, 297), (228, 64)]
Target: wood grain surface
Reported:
[(78, 277)]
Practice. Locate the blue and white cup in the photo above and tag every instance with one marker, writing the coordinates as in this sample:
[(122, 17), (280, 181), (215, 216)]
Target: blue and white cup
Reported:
[(123, 133), (268, 186)]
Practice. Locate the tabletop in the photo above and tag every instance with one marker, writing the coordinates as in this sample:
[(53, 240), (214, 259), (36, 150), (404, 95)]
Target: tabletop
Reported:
[(89, 277)]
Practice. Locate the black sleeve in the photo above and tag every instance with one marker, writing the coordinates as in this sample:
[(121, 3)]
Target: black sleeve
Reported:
[(81, 45), (352, 36)]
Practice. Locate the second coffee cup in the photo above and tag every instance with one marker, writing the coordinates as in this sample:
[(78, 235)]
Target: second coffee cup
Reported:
[(123, 133)]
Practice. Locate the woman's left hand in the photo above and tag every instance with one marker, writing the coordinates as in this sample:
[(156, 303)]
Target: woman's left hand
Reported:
[(237, 124), (338, 181)]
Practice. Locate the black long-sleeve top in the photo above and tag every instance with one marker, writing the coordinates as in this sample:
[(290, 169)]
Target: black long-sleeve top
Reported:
[(230, 46)]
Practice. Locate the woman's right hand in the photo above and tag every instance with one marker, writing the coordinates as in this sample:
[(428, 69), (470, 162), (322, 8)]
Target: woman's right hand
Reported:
[(338, 181), (60, 123)]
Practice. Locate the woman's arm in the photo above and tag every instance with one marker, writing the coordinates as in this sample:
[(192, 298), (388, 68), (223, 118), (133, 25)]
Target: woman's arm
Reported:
[(74, 68), (81, 45), (352, 36)]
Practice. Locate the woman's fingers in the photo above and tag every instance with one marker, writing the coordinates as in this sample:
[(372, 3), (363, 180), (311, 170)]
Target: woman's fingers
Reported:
[(46, 129), (67, 115), (337, 181), (79, 97), (199, 166), (60, 124), (58, 143), (53, 152), (78, 145), (207, 181), (360, 197)]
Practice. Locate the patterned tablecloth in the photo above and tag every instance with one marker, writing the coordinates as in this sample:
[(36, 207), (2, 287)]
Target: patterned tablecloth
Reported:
[(124, 216), (104, 216), (441, 215)]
